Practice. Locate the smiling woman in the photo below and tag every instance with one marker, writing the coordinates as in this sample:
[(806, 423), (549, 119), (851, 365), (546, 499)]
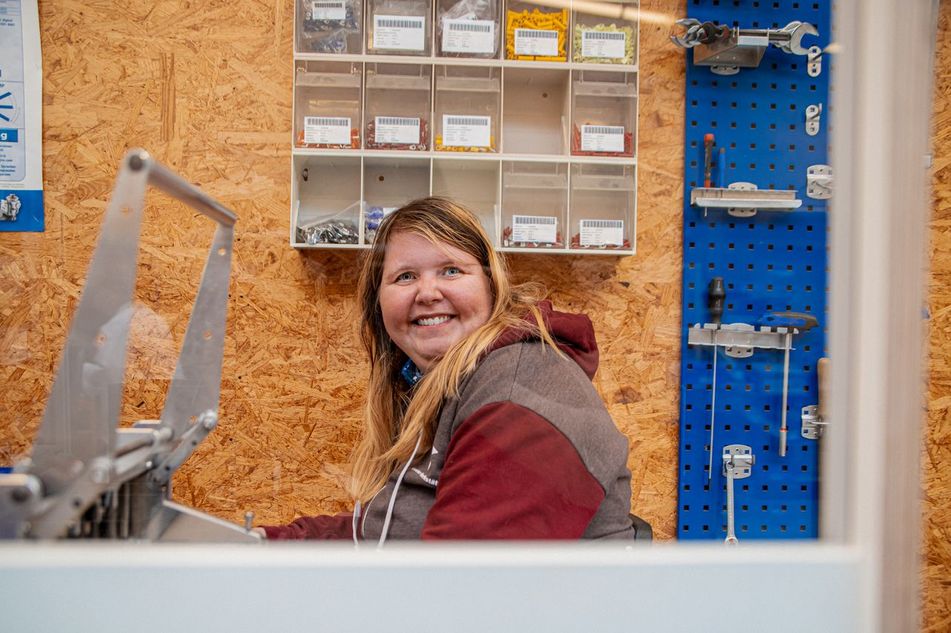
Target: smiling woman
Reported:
[(431, 296), (481, 419)]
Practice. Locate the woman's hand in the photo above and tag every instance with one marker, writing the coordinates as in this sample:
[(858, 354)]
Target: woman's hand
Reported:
[(260, 532)]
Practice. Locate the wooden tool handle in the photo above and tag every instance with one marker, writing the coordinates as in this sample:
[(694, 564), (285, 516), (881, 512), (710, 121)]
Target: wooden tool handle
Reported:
[(824, 378)]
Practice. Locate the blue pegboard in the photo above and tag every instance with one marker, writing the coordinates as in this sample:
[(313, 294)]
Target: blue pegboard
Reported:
[(774, 261)]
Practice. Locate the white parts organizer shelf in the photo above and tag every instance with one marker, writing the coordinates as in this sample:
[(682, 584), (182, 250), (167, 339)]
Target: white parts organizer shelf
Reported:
[(526, 113)]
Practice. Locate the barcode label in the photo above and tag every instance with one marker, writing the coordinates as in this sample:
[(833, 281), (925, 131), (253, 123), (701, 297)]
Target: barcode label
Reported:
[(470, 120), (536, 42), (603, 44), (466, 131), (400, 24), (537, 229), (470, 26), (539, 34), (396, 130), (602, 138), (602, 232), (323, 130), (604, 35), (468, 36), (536, 219), (335, 10), (396, 120), (323, 120), (399, 32)]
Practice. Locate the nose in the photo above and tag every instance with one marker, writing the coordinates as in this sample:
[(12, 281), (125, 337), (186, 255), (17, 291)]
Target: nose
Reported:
[(428, 290)]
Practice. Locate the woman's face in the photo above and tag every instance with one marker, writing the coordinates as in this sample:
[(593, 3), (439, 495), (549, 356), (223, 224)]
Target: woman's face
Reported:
[(431, 296)]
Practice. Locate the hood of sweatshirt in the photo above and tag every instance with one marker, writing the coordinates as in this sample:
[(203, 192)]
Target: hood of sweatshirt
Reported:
[(573, 333)]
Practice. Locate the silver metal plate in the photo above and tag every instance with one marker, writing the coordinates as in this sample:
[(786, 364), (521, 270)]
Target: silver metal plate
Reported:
[(810, 422), (739, 458), (814, 65), (813, 116), (819, 182)]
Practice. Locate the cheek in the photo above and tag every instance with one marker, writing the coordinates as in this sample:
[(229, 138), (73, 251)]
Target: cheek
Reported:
[(484, 302), (392, 310)]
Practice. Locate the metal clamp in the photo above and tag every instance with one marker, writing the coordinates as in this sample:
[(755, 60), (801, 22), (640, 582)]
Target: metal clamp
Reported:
[(819, 182), (738, 462), (812, 424), (813, 117), (814, 61)]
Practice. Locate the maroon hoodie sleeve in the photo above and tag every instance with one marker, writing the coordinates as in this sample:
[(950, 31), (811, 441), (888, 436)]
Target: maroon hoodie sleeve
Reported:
[(322, 527), (510, 474)]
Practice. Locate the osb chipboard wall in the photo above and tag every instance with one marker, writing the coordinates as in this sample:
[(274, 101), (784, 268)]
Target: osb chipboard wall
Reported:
[(206, 87), (936, 458)]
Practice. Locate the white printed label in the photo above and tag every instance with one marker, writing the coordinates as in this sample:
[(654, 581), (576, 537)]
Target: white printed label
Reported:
[(603, 44), (396, 130), (602, 232), (535, 42), (602, 138), (468, 36), (325, 130), (335, 10), (466, 131), (399, 32), (535, 229)]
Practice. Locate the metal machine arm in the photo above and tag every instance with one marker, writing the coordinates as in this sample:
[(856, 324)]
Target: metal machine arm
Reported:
[(87, 477)]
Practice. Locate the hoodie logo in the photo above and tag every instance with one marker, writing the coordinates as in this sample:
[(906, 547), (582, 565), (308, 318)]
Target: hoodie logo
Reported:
[(428, 480)]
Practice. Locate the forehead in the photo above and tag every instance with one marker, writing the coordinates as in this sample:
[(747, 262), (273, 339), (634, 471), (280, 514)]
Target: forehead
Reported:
[(405, 249)]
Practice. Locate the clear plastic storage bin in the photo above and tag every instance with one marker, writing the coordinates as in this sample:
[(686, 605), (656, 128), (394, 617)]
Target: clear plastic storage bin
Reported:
[(597, 39), (327, 104), (534, 204), (535, 111), (472, 183), (327, 191), (397, 106), (388, 184), (603, 113), (467, 104), (399, 27), (468, 28), (602, 207), (330, 26), (535, 32)]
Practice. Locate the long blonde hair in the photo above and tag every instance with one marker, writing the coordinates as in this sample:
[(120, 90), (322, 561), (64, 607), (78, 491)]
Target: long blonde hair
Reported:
[(397, 415)]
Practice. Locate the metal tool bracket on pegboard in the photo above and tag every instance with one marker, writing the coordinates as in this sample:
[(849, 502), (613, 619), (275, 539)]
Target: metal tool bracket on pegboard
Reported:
[(755, 216)]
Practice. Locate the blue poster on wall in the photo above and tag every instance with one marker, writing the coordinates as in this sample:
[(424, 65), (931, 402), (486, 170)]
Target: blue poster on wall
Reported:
[(21, 149)]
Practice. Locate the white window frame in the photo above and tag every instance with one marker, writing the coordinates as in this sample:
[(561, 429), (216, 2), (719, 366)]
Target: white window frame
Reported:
[(862, 576)]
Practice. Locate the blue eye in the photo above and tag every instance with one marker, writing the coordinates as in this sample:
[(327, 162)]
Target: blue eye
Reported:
[(453, 270), (407, 276)]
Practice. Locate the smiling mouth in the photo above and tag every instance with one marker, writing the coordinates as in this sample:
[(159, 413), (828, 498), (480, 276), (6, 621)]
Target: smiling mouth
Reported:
[(434, 320)]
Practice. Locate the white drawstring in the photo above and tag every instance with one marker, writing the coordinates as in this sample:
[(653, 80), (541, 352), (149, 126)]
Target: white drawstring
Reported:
[(356, 519), (399, 480)]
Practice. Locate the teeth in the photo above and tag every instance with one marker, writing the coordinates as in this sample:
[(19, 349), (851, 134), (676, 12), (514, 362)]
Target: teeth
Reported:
[(432, 320)]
